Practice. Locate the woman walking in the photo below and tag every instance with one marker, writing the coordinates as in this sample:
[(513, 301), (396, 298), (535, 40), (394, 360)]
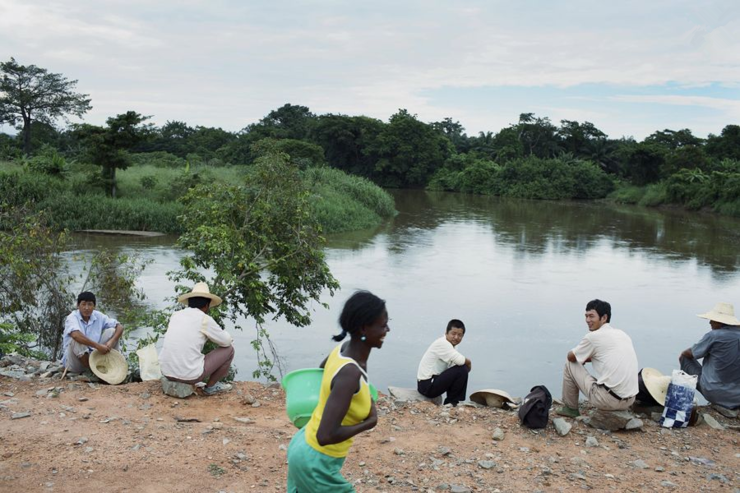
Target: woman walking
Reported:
[(317, 452)]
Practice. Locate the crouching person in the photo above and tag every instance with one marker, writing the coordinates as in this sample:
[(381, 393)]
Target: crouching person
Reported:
[(182, 359), (85, 330)]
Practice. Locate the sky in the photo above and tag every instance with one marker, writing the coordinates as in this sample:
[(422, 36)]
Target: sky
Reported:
[(628, 67)]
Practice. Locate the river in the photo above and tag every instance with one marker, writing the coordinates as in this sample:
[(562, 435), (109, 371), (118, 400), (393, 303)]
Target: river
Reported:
[(518, 273)]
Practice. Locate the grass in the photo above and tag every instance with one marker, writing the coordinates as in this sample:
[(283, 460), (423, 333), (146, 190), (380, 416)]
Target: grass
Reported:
[(147, 196)]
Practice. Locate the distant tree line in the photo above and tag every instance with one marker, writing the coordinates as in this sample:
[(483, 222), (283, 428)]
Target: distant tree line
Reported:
[(532, 158)]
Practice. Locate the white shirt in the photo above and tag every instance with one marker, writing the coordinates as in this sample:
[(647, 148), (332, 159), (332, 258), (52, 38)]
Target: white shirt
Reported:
[(613, 358), (181, 356), (440, 356)]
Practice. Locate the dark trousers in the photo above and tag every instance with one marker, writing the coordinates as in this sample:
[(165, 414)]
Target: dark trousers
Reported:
[(453, 381)]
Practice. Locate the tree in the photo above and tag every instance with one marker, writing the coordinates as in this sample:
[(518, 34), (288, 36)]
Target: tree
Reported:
[(261, 244), (455, 132), (726, 145), (408, 152), (538, 136), (107, 146), (345, 140), (29, 93)]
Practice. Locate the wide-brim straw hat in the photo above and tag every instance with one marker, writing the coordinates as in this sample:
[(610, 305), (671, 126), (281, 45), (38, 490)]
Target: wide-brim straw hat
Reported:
[(655, 383), (723, 313), (200, 290), (491, 397), (110, 367)]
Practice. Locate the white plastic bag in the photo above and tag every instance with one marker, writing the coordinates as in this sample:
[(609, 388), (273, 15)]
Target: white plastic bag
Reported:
[(679, 400), (149, 363)]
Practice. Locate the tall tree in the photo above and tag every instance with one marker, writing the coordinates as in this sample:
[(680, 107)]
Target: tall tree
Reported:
[(108, 146), (30, 93)]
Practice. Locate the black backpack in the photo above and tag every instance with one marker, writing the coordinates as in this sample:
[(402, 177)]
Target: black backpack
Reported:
[(534, 411)]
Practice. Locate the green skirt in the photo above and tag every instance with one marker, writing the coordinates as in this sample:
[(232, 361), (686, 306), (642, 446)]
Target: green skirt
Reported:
[(310, 471)]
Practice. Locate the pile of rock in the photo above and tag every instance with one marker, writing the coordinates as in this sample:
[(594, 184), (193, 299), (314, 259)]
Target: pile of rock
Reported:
[(27, 369)]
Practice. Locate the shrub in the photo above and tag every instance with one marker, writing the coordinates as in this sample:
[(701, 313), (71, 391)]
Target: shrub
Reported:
[(158, 159), (48, 162), (148, 181)]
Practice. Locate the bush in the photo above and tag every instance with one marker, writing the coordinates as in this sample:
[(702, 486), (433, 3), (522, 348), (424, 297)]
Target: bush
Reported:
[(158, 159), (148, 182), (48, 162), (343, 202)]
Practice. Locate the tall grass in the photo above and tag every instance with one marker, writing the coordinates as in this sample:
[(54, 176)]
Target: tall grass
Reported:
[(344, 202)]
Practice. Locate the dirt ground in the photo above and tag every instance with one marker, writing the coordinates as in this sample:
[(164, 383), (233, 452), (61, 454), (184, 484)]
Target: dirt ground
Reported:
[(92, 437)]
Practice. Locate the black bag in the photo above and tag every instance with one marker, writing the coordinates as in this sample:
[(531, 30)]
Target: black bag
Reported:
[(534, 411)]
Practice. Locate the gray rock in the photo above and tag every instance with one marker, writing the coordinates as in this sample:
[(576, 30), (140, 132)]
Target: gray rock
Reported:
[(656, 417), (668, 484), (498, 434), (713, 423), (592, 442), (561, 426), (610, 420), (459, 488), (411, 395), (16, 374), (718, 477), (176, 389), (242, 420), (639, 464), (727, 413), (486, 464), (634, 424), (20, 415)]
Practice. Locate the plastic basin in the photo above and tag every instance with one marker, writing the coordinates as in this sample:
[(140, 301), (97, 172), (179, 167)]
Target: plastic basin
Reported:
[(302, 389)]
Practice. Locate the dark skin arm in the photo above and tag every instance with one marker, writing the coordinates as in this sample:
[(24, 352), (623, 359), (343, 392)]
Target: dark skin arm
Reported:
[(686, 353), (343, 388), (572, 358)]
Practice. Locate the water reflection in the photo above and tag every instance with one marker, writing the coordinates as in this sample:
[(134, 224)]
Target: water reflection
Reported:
[(518, 273)]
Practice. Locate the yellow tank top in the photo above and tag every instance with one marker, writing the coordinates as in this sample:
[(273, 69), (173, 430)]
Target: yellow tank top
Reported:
[(359, 406)]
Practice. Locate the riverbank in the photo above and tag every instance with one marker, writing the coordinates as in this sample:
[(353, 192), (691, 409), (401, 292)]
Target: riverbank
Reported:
[(58, 435)]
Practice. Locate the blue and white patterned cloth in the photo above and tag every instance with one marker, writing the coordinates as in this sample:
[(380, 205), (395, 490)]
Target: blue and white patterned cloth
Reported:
[(679, 402)]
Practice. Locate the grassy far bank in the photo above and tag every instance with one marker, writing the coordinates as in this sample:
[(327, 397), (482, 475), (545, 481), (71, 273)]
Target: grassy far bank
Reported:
[(148, 196)]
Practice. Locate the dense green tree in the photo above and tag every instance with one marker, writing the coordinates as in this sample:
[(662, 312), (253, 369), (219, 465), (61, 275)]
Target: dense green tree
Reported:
[(409, 152), (455, 132), (107, 146), (579, 138), (346, 140), (643, 162), (30, 93), (674, 139), (287, 122), (726, 145), (538, 136)]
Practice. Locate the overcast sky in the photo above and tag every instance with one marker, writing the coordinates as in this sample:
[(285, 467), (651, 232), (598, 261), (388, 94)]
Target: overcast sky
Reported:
[(629, 67)]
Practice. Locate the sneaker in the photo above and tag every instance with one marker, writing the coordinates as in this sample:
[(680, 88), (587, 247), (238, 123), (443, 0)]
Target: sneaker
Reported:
[(216, 388), (568, 412)]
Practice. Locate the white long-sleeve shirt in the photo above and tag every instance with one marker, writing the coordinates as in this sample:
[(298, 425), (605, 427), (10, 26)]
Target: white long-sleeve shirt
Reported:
[(440, 356), (189, 329)]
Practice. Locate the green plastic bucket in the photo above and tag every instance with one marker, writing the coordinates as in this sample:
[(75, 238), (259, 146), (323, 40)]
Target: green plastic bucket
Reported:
[(302, 389)]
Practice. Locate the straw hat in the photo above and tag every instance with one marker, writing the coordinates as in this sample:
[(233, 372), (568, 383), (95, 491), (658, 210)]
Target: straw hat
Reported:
[(491, 397), (110, 367), (654, 383), (200, 290), (723, 313)]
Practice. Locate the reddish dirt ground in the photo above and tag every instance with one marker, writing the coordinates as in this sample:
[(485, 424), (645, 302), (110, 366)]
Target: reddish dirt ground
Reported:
[(133, 438)]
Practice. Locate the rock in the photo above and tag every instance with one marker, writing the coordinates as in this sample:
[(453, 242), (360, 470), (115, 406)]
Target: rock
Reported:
[(411, 395), (248, 399), (634, 424), (256, 404), (486, 464), (639, 464), (16, 374), (444, 451), (561, 426), (83, 399), (459, 488), (727, 413), (242, 420), (713, 423), (20, 415), (176, 389), (498, 434), (592, 442), (656, 417), (668, 484), (399, 451), (609, 420), (718, 477)]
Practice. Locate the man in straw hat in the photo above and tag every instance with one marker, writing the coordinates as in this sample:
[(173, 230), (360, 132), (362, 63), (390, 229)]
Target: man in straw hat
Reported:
[(719, 373), (85, 330), (613, 357), (181, 358)]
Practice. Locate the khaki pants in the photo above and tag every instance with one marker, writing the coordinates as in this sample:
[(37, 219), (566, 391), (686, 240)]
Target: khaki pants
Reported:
[(76, 350), (576, 378)]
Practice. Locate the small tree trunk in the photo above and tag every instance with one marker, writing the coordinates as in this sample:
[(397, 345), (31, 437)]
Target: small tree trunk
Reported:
[(26, 136)]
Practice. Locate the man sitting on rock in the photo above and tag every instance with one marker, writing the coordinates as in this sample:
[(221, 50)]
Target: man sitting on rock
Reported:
[(86, 329), (443, 369), (181, 359), (614, 360), (719, 375)]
